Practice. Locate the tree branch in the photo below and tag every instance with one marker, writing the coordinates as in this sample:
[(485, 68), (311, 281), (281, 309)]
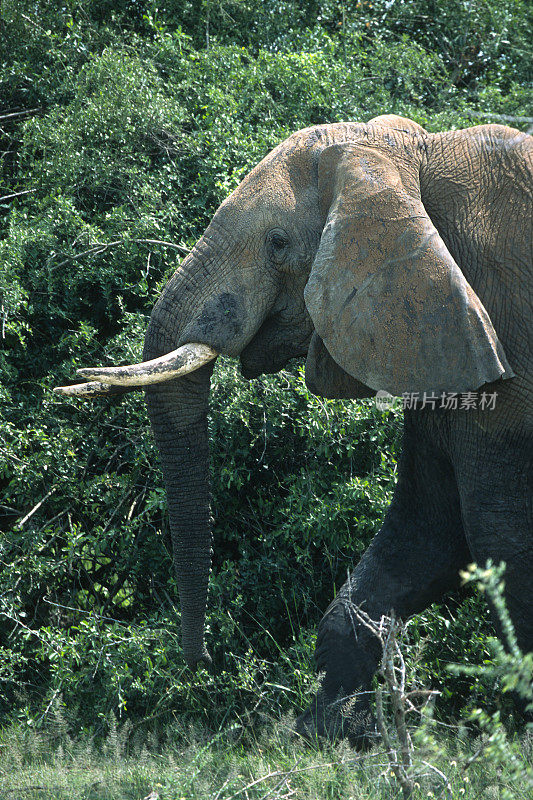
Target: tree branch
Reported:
[(16, 114), (100, 248), (16, 194)]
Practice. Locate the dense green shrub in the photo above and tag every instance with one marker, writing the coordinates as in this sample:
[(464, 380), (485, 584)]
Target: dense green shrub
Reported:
[(89, 589), (132, 121)]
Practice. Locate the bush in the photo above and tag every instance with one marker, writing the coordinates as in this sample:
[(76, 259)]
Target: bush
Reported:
[(89, 590)]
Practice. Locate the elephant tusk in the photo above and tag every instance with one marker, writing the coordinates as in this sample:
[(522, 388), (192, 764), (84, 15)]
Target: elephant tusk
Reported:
[(90, 389), (187, 358)]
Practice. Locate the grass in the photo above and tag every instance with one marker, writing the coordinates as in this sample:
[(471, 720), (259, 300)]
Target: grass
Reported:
[(235, 764)]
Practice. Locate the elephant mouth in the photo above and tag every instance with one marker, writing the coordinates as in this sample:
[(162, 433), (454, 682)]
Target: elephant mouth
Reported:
[(251, 371), (256, 360)]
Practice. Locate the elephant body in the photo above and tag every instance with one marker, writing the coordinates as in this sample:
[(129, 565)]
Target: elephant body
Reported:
[(465, 477), (395, 260)]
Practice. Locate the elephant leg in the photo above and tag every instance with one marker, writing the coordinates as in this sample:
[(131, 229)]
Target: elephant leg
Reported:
[(496, 495), (412, 561)]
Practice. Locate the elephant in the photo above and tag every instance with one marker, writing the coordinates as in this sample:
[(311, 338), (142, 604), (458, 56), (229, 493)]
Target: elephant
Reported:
[(393, 260)]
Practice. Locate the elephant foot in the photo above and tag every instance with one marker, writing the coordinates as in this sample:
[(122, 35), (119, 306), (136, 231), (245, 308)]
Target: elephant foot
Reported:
[(203, 660), (343, 718)]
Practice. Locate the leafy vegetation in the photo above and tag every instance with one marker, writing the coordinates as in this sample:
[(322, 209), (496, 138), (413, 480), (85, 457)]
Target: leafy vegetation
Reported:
[(123, 126), (260, 761)]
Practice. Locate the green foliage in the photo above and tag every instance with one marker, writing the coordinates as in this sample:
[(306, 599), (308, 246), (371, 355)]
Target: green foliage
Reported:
[(124, 125), (438, 636), (88, 593), (509, 666), (507, 669)]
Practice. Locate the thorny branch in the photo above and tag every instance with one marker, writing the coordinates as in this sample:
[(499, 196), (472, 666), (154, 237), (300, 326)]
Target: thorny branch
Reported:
[(392, 672)]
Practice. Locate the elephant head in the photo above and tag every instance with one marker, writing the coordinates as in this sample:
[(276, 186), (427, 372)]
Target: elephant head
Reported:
[(324, 250)]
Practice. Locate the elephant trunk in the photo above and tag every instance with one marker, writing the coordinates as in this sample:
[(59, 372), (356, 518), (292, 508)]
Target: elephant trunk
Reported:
[(189, 310), (204, 302), (178, 413)]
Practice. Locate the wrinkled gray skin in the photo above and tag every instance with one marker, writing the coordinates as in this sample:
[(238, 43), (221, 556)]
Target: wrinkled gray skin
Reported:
[(346, 212)]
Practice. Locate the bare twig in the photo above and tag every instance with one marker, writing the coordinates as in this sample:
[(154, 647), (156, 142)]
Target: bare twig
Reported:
[(447, 785), (282, 783), (469, 761), (49, 522), (81, 611), (35, 508), (47, 709), (16, 114), (222, 788), (392, 671), (16, 194), (115, 512), (397, 689), (10, 456), (21, 624), (101, 247), (160, 241), (280, 773)]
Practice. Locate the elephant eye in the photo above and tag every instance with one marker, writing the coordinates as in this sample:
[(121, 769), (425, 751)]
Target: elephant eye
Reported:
[(278, 242)]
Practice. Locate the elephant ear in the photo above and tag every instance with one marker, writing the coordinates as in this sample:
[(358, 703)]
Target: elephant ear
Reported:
[(384, 294), (324, 377)]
